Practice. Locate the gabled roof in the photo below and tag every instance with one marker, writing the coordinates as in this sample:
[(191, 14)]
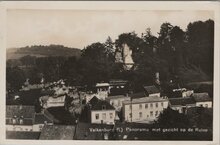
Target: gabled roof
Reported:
[(151, 89), (19, 110), (201, 97), (182, 101), (41, 118), (57, 132), (94, 100), (97, 104)]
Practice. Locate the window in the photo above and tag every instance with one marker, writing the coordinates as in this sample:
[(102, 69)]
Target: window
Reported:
[(97, 116), (156, 113), (146, 106), (156, 105), (103, 115), (103, 107), (111, 115), (140, 114), (162, 104), (151, 113), (151, 105), (140, 106), (206, 105)]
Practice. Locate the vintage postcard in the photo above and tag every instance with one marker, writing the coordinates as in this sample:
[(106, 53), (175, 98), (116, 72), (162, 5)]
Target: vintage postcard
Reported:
[(128, 72)]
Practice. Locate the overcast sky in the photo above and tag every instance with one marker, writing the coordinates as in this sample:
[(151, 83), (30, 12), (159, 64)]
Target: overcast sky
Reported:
[(78, 29)]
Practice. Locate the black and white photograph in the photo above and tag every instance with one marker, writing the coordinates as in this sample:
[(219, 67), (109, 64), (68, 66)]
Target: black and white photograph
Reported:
[(124, 74)]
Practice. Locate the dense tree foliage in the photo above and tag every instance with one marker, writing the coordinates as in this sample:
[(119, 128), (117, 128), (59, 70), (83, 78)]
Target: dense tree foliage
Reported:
[(188, 55), (172, 118)]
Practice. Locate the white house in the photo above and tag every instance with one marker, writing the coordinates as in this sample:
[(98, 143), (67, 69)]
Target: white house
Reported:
[(24, 118), (101, 111), (144, 110), (202, 100)]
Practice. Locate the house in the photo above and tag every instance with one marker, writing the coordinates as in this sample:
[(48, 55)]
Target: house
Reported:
[(152, 91), (57, 132), (101, 112), (144, 110), (181, 104), (195, 100), (202, 100), (117, 100), (24, 118)]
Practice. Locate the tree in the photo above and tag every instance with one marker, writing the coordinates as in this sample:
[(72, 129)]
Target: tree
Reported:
[(172, 118), (15, 77), (96, 63), (200, 44)]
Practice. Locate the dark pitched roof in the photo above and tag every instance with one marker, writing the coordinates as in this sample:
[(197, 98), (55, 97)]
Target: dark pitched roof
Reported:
[(41, 118), (22, 135), (57, 132), (102, 105), (137, 95), (97, 104), (201, 97), (94, 100), (19, 110), (182, 101), (151, 89)]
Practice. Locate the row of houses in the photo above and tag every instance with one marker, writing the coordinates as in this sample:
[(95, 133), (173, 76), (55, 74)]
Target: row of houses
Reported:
[(143, 107)]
